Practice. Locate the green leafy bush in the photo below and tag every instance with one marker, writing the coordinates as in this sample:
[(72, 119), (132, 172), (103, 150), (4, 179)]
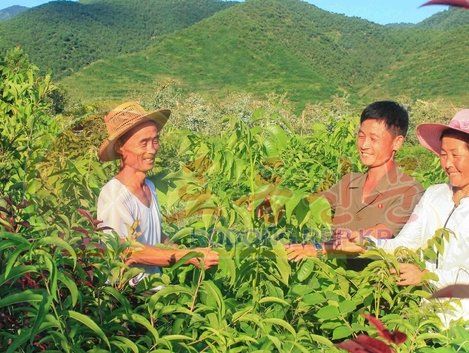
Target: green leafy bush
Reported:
[(63, 282)]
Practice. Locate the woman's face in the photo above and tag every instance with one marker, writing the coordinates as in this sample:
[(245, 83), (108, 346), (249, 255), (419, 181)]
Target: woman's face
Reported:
[(454, 158)]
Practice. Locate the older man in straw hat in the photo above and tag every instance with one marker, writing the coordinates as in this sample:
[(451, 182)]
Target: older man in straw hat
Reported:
[(442, 206), (130, 196)]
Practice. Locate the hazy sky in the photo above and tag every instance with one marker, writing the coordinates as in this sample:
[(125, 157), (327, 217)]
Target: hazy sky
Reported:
[(380, 11)]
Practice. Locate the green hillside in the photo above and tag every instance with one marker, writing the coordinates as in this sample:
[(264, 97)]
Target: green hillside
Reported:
[(11, 12), (449, 19), (257, 46), (432, 64), (289, 46), (64, 36)]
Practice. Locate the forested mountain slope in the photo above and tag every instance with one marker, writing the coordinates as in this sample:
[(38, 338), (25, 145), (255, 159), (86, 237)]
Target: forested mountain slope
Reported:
[(290, 46), (11, 12), (65, 35)]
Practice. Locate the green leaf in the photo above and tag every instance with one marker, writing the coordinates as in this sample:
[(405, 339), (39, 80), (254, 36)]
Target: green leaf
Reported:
[(87, 321), (347, 306), (314, 298), (177, 338), (128, 343), (183, 260), (18, 341), (13, 257), (281, 262), (71, 286), (226, 265), (123, 301), (282, 323), (301, 289), (321, 340), (328, 312), (27, 296), (172, 289), (341, 332), (305, 270), (273, 300), (16, 238), (292, 203), (139, 319), (60, 243), (214, 292), (17, 271), (43, 310)]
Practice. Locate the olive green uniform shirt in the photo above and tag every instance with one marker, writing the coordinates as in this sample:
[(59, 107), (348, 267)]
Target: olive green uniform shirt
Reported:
[(390, 203)]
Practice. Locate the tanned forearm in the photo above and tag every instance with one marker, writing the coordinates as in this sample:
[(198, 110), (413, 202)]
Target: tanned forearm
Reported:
[(149, 255)]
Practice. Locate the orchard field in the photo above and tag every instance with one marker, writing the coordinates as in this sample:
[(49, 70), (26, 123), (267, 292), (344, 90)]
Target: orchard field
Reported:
[(63, 282)]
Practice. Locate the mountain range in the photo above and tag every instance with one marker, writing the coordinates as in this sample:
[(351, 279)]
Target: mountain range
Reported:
[(64, 36), (11, 11), (113, 49)]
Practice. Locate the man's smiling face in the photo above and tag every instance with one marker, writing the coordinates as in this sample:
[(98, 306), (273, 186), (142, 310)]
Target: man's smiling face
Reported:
[(139, 147), (376, 144)]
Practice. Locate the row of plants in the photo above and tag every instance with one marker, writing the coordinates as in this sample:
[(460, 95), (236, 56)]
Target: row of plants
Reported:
[(63, 281)]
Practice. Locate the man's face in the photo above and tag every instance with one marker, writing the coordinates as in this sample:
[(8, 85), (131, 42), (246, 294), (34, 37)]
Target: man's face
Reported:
[(139, 150), (454, 158), (376, 144)]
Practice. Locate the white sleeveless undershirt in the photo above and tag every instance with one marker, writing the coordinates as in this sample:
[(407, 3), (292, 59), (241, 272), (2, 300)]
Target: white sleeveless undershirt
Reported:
[(118, 208)]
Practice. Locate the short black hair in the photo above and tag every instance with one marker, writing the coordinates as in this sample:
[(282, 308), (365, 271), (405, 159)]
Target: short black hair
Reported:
[(460, 135), (393, 114)]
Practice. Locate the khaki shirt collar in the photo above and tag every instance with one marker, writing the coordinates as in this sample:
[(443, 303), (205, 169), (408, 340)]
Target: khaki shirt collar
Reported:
[(388, 179)]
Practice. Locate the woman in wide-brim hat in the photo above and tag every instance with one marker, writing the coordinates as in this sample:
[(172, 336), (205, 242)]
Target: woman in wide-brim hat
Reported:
[(442, 206)]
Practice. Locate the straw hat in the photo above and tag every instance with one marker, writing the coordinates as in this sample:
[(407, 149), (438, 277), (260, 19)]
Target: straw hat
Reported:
[(429, 135), (123, 118)]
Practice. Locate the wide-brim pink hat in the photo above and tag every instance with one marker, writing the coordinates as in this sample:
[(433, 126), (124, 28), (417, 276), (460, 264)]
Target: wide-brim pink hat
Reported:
[(429, 135)]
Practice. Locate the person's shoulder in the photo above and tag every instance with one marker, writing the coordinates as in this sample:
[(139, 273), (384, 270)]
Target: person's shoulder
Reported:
[(439, 190), (346, 180), (352, 177), (410, 181), (150, 184), (110, 186)]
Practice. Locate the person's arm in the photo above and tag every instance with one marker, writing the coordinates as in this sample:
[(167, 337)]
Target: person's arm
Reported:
[(113, 212), (411, 274), (459, 275), (411, 236), (150, 255)]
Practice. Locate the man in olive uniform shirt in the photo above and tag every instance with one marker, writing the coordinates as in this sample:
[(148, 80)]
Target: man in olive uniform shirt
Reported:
[(381, 201), (383, 211)]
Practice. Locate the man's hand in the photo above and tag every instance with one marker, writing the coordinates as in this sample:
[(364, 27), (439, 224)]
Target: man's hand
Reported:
[(209, 257), (297, 252), (379, 231), (345, 233), (409, 274), (343, 246), (264, 210)]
